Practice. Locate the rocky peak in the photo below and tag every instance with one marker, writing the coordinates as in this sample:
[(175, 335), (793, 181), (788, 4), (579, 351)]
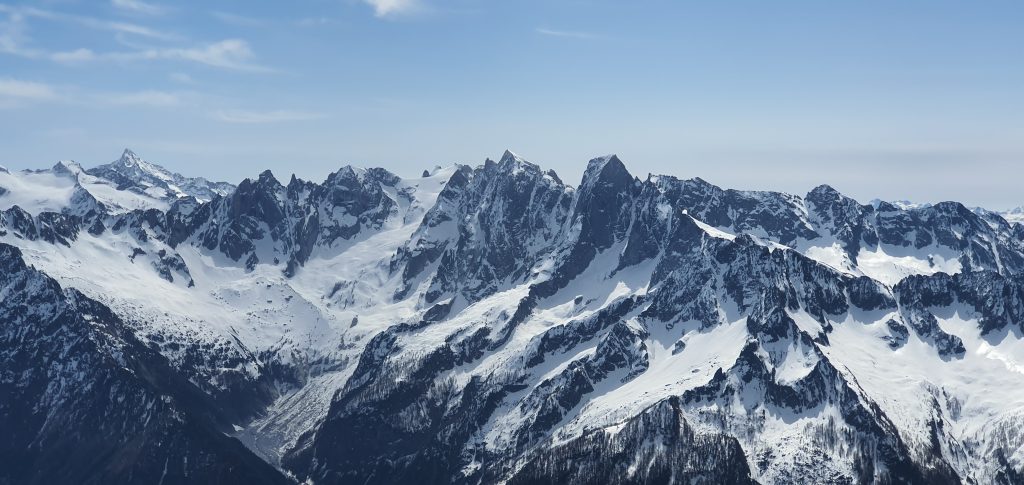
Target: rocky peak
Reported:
[(67, 168), (608, 170), (129, 158), (11, 261), (509, 157), (131, 172), (823, 194), (267, 179), (133, 165)]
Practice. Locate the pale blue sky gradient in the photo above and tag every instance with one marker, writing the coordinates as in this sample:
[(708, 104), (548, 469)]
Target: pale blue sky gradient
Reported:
[(920, 100)]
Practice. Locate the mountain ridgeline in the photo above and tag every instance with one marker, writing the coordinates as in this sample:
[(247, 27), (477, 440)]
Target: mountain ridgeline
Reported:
[(493, 324)]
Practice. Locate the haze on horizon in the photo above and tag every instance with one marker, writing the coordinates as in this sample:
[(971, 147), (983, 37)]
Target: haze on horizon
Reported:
[(916, 100)]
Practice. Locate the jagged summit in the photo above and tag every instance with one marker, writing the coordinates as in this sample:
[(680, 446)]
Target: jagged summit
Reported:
[(902, 204), (598, 163), (606, 170), (129, 158), (824, 191), (134, 167), (67, 167), (131, 172), (267, 176), (512, 161), (508, 157)]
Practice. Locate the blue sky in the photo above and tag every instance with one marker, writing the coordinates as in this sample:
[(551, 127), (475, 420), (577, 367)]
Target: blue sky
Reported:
[(920, 100)]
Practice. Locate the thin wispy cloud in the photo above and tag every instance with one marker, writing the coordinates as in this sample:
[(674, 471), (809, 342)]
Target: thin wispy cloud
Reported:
[(314, 21), (141, 98), (76, 56), (183, 78), (232, 54), (126, 28), (138, 7), (566, 34), (387, 8), (238, 20), (256, 117), (32, 91), (228, 54), (15, 88), (13, 34), (18, 15)]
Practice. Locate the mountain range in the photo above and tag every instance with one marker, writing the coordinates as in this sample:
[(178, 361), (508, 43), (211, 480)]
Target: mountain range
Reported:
[(494, 324)]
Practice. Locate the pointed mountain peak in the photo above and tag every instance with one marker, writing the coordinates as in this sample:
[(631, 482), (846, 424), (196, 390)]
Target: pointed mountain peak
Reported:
[(600, 163), (824, 190), (700, 184), (130, 171), (515, 163), (607, 168), (67, 167), (349, 174), (347, 171), (883, 206), (129, 158), (132, 164), (264, 183), (267, 177), (825, 194), (510, 157)]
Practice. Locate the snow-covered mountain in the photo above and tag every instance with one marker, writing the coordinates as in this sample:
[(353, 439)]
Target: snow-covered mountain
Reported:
[(1013, 215), (493, 324), (128, 184), (136, 175)]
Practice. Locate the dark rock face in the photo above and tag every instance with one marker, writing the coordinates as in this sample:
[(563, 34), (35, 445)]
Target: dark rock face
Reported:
[(169, 264), (996, 299), (777, 214), (879, 451), (85, 402), (291, 221), (52, 227), (845, 219), (979, 242), (605, 195), (666, 448), (19, 222), (485, 230)]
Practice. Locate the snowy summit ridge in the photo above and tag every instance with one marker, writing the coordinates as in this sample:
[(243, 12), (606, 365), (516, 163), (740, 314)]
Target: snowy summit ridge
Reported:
[(131, 172)]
